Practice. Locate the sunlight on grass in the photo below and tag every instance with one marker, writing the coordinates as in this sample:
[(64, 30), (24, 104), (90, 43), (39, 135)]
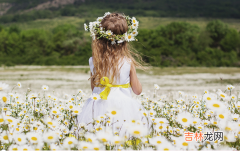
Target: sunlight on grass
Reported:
[(145, 22)]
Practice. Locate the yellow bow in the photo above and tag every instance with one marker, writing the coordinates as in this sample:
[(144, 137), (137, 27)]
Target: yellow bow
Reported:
[(104, 81)]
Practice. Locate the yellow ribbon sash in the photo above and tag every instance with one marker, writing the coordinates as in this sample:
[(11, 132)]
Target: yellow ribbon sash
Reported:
[(104, 81)]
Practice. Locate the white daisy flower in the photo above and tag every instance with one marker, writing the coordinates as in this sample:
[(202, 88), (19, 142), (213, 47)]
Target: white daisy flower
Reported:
[(120, 41), (129, 37), (95, 96), (20, 138), (69, 142), (76, 111), (14, 147), (184, 118), (216, 106), (44, 87), (138, 130), (4, 137), (135, 33), (159, 140), (222, 95), (90, 137), (107, 13), (156, 86), (113, 111), (50, 137), (33, 96), (55, 111), (85, 145), (103, 136), (99, 19), (3, 86), (235, 116), (19, 85), (117, 140), (85, 27), (230, 87), (4, 98), (26, 148), (98, 146), (109, 32), (34, 137)]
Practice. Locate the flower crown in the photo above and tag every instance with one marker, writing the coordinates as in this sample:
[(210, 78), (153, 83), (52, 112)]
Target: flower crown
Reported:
[(97, 30)]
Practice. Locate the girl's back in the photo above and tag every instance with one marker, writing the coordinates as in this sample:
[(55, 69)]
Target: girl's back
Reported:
[(124, 78)]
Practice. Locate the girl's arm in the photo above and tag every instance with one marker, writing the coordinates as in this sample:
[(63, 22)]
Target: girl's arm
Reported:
[(92, 86), (135, 84)]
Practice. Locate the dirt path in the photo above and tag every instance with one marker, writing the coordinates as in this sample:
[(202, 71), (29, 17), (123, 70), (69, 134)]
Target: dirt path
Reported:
[(69, 81)]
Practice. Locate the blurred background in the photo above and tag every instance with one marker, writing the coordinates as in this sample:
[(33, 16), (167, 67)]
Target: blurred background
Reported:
[(192, 45)]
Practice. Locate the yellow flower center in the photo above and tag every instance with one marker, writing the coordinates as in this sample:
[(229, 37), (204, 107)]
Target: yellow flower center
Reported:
[(4, 99), (184, 120), (117, 142), (160, 127), (228, 128), (34, 138), (50, 137), (76, 111), (19, 139), (129, 36), (159, 142), (5, 137), (94, 98), (104, 140), (70, 106), (1, 120), (85, 147), (95, 148), (216, 105), (70, 142), (136, 132), (222, 95), (50, 123), (185, 144), (89, 139), (221, 116), (113, 112), (9, 120), (55, 112)]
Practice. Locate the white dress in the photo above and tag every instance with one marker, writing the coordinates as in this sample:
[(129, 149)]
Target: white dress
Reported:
[(118, 98)]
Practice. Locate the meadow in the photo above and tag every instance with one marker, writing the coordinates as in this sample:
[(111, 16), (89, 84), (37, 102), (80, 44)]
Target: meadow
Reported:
[(48, 24), (40, 104)]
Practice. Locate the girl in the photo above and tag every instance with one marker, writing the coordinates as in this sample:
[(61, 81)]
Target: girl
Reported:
[(113, 73)]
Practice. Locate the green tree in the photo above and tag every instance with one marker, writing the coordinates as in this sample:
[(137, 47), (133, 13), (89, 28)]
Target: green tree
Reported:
[(217, 30)]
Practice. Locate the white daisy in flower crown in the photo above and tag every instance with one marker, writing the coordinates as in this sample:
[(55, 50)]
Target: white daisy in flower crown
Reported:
[(97, 31)]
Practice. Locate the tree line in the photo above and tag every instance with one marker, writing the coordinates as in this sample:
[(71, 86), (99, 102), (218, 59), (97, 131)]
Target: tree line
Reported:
[(176, 44), (153, 8)]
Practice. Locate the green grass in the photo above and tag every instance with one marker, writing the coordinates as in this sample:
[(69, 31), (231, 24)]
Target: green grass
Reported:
[(145, 22), (153, 22), (48, 24), (189, 70), (149, 71), (225, 81)]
